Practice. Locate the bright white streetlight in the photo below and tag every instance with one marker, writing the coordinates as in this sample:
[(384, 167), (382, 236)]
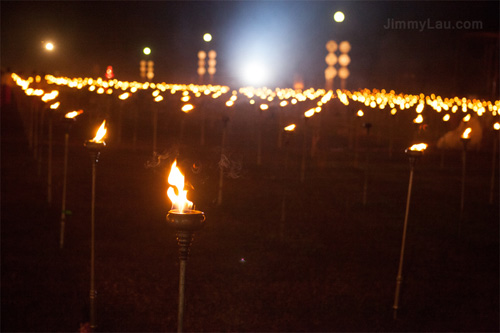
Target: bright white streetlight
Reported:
[(146, 51), (49, 46), (207, 37), (255, 74), (339, 17)]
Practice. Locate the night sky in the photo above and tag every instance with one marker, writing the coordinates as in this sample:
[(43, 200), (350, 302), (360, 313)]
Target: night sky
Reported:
[(287, 38)]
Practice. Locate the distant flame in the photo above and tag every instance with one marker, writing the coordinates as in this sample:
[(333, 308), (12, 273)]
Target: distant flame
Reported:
[(55, 105), (418, 147), (179, 200), (496, 126), (101, 132), (187, 107), (309, 113), (290, 128), (466, 133), (73, 114)]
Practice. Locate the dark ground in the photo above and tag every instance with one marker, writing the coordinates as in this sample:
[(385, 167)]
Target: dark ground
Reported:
[(334, 271)]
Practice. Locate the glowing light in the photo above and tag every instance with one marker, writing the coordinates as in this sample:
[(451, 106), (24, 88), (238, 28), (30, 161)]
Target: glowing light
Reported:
[(124, 96), (466, 133), (255, 73), (446, 117), (187, 107), (360, 113), (146, 51), (466, 118), (496, 126), (419, 119), (179, 200), (290, 128), (73, 114), (418, 147), (55, 105), (207, 37), (49, 46), (309, 113), (339, 16), (101, 132), (264, 107)]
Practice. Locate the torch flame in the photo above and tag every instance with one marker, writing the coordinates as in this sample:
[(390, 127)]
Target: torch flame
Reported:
[(309, 113), (179, 201), (290, 128), (73, 114), (187, 107), (101, 132), (418, 147), (466, 133)]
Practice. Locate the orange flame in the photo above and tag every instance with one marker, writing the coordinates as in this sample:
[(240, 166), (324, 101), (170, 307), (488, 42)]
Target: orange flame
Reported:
[(418, 147), (290, 128), (179, 200), (101, 132), (466, 133), (187, 107), (73, 114)]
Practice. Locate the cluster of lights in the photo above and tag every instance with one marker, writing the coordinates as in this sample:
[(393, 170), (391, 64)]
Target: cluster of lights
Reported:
[(262, 97)]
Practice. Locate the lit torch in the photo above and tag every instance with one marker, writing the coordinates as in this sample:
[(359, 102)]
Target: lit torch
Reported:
[(287, 131), (185, 220), (94, 146), (465, 138), (496, 129), (414, 152), (69, 118)]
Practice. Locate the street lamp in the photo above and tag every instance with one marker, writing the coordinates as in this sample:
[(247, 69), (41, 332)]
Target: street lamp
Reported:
[(338, 17)]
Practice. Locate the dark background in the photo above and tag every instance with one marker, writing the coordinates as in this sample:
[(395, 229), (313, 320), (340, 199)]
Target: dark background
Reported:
[(288, 36)]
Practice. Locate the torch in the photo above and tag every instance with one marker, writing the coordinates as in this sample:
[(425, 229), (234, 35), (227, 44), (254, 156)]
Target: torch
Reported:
[(308, 114), (49, 156), (94, 146), (225, 120), (465, 138), (288, 130), (414, 152), (185, 220), (68, 120), (496, 128), (367, 127)]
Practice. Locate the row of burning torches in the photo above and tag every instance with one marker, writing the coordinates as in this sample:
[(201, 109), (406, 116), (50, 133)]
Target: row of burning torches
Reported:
[(187, 220), (375, 99)]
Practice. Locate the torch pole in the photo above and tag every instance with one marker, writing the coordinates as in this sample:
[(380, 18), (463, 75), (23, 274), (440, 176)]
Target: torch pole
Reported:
[(65, 176), (92, 246), (221, 166), (465, 141), (399, 278), (304, 153), (182, 279), (493, 163), (49, 163), (283, 201), (259, 140), (155, 126), (367, 126), (94, 149), (185, 224)]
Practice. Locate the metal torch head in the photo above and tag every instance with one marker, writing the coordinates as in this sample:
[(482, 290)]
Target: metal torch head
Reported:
[(465, 141), (190, 220)]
